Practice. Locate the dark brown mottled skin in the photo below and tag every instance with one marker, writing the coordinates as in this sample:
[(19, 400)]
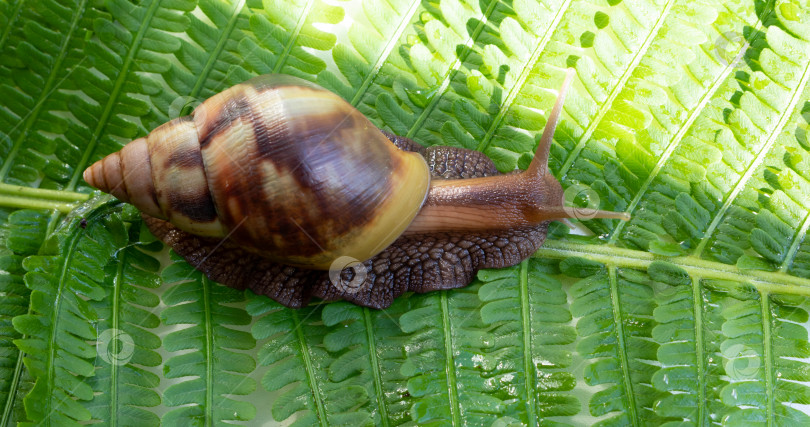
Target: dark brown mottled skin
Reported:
[(416, 263)]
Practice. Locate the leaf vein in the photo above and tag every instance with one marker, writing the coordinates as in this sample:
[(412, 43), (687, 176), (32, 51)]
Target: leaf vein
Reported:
[(223, 38), (629, 258), (763, 152), (375, 367), (450, 364), (697, 303), (798, 238), (392, 42), (608, 103), (116, 317), (46, 91), (14, 384), (10, 23), (294, 36), (525, 311), (113, 98), (624, 363), (209, 352), (767, 350), (524, 74), (448, 77), (320, 410)]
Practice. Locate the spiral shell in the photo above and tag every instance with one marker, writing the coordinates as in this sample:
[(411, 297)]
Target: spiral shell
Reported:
[(279, 166)]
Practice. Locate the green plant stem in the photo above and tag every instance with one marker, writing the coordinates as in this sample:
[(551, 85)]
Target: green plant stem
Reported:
[(764, 281), (22, 202), (44, 194), (528, 364), (17, 196)]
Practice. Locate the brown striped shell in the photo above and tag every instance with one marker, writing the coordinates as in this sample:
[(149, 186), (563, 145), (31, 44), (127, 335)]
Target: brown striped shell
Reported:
[(279, 166)]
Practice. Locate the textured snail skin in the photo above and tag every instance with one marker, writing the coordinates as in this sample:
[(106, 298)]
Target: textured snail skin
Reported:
[(271, 182)]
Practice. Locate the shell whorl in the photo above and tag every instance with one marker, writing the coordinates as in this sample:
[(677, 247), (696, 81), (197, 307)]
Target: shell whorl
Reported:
[(281, 166)]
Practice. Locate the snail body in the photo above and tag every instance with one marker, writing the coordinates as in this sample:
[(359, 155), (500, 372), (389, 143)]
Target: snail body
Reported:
[(284, 179)]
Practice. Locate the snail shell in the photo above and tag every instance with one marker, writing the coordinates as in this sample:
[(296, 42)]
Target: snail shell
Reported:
[(281, 166)]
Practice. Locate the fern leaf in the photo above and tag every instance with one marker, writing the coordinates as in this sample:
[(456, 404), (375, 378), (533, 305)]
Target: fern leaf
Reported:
[(537, 317), (282, 34), (460, 387), (367, 349), (291, 346), (47, 43), (195, 301), (750, 121), (22, 234), (68, 273), (127, 343), (131, 38), (618, 348), (208, 63)]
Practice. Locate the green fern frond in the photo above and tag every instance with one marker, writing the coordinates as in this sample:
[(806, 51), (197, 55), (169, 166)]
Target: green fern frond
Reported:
[(538, 318), (22, 234), (127, 345), (63, 279), (692, 116), (217, 372), (367, 349), (291, 344), (744, 115), (208, 63), (282, 33), (47, 45), (132, 39)]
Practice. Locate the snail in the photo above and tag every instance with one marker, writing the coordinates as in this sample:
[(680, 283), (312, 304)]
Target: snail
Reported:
[(281, 186)]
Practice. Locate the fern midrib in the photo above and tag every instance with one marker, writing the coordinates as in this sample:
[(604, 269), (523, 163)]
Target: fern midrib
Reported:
[(115, 315), (51, 362), (209, 352), (14, 384), (223, 39), (528, 371), (393, 41), (449, 361), (767, 352), (13, 17), (673, 144), (696, 267), (524, 74), (798, 238), (608, 103), (19, 196), (293, 37), (375, 367), (45, 94), (320, 410), (752, 167), (624, 360), (453, 70), (119, 83), (697, 302)]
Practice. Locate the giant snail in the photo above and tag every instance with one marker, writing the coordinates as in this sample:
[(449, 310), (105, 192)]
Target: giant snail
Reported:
[(281, 186)]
